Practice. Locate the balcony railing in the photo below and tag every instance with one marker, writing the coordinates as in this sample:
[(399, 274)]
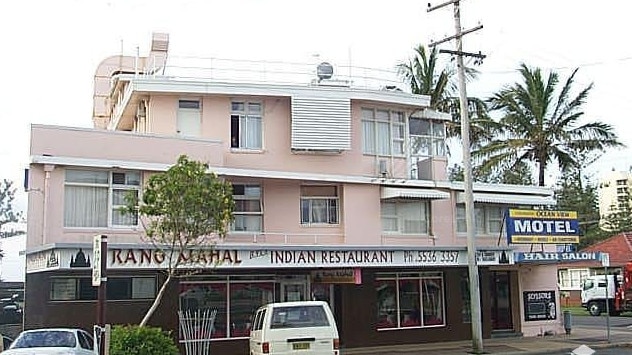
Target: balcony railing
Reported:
[(285, 238)]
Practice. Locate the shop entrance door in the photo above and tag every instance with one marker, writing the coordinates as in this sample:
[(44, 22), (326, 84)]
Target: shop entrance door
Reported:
[(294, 291), (500, 289)]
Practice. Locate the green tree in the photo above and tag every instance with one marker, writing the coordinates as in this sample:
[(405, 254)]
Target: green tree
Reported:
[(425, 75), (137, 340), (540, 124), (184, 210), (572, 194), (8, 214), (520, 176)]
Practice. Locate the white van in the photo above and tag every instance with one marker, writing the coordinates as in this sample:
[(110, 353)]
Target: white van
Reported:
[(306, 328)]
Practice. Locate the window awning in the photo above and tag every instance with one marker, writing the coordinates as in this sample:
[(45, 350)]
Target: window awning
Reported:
[(509, 199), (413, 193)]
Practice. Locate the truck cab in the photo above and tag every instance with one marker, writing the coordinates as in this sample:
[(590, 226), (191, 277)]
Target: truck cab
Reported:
[(597, 290)]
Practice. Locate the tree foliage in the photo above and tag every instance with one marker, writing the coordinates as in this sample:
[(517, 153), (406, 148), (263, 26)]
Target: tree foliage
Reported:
[(8, 214), (426, 75), (183, 209), (519, 176), (572, 194), (137, 340), (541, 124)]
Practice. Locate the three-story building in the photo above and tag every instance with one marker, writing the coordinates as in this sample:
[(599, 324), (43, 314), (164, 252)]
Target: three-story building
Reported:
[(341, 195)]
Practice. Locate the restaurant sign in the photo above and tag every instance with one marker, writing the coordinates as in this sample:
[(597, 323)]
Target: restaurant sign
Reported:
[(271, 258)]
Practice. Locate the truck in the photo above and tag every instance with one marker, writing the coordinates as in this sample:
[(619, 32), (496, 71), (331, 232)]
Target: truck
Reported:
[(616, 289)]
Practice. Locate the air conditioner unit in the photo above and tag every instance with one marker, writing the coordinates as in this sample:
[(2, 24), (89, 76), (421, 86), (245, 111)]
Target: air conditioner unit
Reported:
[(383, 167)]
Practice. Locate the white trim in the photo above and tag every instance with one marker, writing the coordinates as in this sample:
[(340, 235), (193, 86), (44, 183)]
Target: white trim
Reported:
[(411, 193), (509, 199), (201, 86), (542, 194)]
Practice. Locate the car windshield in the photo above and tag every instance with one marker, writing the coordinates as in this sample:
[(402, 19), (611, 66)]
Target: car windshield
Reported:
[(45, 339)]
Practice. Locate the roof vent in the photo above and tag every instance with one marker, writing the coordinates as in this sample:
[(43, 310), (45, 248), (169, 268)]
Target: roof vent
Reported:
[(324, 71)]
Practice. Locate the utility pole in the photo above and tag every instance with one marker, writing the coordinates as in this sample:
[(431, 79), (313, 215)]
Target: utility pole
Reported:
[(475, 296)]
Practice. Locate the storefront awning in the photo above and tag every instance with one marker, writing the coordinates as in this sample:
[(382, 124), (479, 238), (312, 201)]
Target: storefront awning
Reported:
[(413, 193), (509, 199)]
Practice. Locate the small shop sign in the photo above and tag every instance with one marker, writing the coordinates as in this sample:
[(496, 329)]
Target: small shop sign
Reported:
[(539, 305)]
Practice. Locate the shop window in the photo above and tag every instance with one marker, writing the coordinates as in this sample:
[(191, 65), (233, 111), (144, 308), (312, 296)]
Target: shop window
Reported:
[(248, 210), (118, 288), (466, 308), (319, 204), (410, 300), (245, 298), (235, 301), (94, 199)]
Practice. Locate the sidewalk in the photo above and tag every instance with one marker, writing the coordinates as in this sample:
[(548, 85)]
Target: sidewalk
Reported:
[(594, 338)]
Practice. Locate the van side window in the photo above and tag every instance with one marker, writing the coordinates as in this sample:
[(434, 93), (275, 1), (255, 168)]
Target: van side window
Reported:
[(259, 319)]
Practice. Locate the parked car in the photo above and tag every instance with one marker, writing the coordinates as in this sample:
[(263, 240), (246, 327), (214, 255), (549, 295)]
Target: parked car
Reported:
[(6, 342), (56, 341), (306, 327)]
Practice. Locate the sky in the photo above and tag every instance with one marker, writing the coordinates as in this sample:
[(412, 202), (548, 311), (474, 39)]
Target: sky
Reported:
[(51, 49)]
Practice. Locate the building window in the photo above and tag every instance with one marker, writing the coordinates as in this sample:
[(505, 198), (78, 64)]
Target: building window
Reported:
[(119, 288), (488, 219), (95, 198), (407, 300), (571, 279), (235, 301), (622, 190), (622, 182), (405, 217), (383, 132), (245, 125), (189, 119), (248, 211), (319, 204), (427, 137)]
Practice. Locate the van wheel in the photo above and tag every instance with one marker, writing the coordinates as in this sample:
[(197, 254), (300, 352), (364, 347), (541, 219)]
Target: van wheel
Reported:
[(594, 308)]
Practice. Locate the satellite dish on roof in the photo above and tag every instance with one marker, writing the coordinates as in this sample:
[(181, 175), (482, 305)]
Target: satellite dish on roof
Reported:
[(324, 71)]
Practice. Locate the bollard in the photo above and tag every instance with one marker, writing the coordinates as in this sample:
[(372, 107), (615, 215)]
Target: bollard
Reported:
[(567, 322)]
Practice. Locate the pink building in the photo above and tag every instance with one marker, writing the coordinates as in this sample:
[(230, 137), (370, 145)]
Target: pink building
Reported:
[(341, 195)]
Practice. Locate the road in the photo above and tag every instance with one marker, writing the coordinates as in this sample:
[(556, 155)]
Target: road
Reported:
[(620, 330)]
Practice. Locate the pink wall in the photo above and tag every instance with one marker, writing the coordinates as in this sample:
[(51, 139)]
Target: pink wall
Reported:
[(539, 278), (361, 211)]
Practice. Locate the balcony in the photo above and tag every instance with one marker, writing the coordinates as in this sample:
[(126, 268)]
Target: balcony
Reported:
[(68, 145)]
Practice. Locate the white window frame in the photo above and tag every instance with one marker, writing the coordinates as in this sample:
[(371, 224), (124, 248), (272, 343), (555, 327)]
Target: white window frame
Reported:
[(248, 214), (434, 141), (245, 119), (572, 279), (111, 187), (330, 201), (399, 217), (483, 216), (373, 119)]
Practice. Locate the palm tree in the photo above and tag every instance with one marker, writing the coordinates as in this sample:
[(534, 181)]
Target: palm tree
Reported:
[(424, 76), (541, 127)]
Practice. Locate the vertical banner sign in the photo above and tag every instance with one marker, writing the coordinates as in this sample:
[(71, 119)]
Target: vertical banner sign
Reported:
[(96, 261), (542, 227)]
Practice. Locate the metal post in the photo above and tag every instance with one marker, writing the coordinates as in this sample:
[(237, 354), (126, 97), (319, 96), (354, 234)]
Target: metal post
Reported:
[(605, 269), (475, 299), (102, 292)]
